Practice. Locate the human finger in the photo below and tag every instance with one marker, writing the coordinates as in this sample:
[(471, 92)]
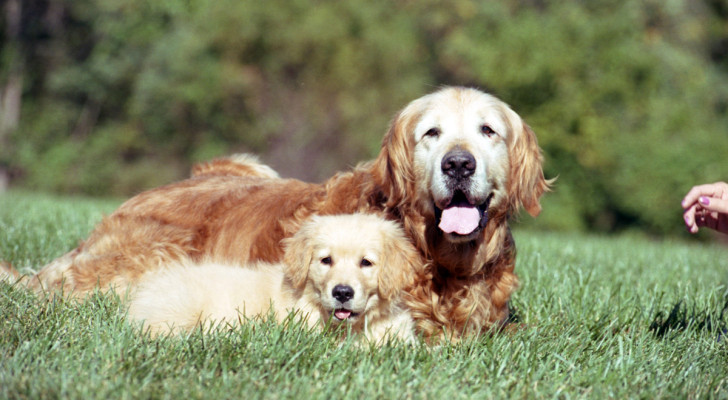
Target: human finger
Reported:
[(690, 220), (714, 204), (696, 192)]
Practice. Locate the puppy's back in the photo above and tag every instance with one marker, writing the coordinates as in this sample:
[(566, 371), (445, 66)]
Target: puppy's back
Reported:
[(179, 297)]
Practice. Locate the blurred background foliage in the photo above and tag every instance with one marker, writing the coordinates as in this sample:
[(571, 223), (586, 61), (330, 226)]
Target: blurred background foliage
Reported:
[(111, 97)]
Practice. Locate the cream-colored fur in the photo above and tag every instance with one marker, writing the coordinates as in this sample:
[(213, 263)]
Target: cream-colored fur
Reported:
[(362, 255), (180, 297)]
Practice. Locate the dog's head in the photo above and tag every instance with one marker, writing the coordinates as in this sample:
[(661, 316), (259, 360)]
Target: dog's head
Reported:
[(457, 155), (350, 264)]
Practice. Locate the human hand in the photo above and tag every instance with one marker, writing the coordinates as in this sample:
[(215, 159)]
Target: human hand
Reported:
[(706, 205)]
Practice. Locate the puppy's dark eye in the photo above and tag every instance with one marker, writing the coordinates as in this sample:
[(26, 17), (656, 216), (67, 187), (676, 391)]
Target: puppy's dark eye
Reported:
[(433, 132), (487, 130), (365, 263), (327, 261)]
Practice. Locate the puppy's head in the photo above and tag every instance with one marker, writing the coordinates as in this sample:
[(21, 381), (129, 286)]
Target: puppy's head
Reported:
[(456, 154), (350, 264)]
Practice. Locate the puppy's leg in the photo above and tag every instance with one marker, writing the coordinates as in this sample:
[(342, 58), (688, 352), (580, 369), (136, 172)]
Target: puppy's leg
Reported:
[(399, 325)]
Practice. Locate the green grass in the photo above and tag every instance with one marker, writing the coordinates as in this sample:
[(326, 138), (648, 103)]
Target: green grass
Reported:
[(602, 317)]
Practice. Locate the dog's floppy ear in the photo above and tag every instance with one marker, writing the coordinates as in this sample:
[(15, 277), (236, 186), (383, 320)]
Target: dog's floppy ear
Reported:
[(298, 256), (399, 263), (526, 182), (393, 167)]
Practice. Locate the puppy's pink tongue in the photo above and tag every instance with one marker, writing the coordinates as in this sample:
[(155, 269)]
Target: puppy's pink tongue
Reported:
[(342, 314), (462, 220)]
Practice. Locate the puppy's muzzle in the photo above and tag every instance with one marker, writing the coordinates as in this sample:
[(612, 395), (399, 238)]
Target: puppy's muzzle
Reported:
[(343, 293)]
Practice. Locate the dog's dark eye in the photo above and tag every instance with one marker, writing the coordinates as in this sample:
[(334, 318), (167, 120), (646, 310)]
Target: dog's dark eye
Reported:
[(433, 132), (327, 261), (487, 130), (366, 263)]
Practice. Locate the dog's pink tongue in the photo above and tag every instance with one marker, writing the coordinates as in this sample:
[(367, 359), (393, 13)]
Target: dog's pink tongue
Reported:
[(342, 314), (462, 220)]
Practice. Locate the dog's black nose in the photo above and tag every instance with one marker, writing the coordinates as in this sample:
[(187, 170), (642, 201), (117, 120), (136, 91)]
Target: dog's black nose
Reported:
[(458, 164), (343, 293)]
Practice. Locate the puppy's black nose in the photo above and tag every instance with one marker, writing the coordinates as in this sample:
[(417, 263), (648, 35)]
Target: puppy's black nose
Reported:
[(458, 164), (342, 293)]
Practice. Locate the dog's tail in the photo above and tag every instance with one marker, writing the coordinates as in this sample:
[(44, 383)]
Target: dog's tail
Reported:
[(37, 282), (9, 274), (242, 165)]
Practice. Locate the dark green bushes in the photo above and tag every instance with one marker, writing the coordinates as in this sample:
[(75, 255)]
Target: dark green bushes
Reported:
[(628, 98)]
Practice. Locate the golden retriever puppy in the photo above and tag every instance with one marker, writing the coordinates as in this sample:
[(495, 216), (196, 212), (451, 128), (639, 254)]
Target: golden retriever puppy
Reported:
[(454, 165), (341, 270)]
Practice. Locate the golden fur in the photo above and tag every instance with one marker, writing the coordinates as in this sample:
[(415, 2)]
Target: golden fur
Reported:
[(344, 270), (240, 217), (238, 164)]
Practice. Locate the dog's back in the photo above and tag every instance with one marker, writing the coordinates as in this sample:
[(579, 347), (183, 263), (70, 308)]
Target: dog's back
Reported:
[(180, 297)]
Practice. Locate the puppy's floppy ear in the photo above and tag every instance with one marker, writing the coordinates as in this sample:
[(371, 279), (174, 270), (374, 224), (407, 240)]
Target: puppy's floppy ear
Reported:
[(526, 182), (298, 256), (393, 167), (399, 262)]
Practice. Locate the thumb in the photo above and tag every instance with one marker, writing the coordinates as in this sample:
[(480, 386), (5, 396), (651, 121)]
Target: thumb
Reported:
[(714, 204)]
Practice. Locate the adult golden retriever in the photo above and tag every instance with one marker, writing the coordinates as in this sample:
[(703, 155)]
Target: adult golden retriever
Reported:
[(348, 271), (454, 165)]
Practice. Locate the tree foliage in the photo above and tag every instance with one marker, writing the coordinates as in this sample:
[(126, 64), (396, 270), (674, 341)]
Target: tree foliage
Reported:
[(628, 99)]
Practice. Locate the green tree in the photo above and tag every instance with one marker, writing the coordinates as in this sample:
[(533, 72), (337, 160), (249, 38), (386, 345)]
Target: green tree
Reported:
[(628, 98)]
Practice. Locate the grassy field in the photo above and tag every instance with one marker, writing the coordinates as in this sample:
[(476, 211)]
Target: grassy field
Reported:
[(603, 317)]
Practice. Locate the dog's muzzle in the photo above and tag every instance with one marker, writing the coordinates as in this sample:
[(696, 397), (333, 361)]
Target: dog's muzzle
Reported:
[(458, 165), (461, 217), (342, 294)]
